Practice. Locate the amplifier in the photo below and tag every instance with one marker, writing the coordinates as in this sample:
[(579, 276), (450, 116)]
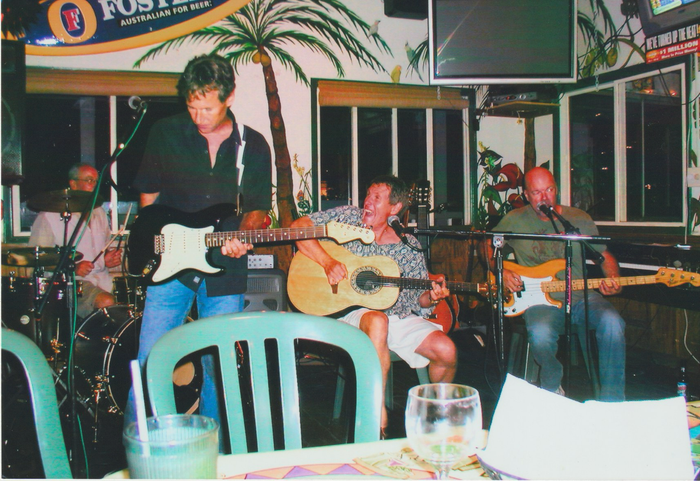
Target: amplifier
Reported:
[(267, 290)]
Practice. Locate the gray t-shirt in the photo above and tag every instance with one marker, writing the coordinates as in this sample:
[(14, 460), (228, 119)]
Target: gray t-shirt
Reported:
[(531, 253)]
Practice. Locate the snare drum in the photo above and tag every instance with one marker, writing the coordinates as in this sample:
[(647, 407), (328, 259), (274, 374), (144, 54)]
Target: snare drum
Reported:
[(20, 302), (127, 290)]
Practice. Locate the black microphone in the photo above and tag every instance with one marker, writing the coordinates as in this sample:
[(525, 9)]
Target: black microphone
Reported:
[(136, 103), (546, 208), (395, 224)]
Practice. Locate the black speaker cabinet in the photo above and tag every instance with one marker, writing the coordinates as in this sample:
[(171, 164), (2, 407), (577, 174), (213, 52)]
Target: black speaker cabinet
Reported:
[(267, 290), (412, 9), (13, 116)]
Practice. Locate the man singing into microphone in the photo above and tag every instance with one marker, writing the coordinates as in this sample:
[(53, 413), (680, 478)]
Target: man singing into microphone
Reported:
[(545, 322), (402, 328)]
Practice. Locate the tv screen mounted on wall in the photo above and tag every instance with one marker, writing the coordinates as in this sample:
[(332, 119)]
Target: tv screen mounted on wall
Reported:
[(658, 16), (502, 41)]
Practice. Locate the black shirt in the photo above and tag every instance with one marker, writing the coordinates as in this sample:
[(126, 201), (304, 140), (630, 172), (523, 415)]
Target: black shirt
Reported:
[(176, 164)]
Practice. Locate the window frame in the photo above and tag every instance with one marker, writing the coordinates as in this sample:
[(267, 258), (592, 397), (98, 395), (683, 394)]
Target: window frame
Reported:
[(110, 84), (355, 94), (617, 84)]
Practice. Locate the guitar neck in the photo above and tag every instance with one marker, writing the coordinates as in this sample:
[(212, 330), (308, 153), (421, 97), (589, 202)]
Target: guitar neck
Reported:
[(426, 284), (261, 236), (577, 284)]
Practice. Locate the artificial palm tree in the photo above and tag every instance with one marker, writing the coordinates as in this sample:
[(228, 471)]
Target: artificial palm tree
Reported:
[(260, 31)]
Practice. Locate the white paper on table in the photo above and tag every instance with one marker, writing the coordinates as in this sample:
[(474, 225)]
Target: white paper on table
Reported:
[(536, 434)]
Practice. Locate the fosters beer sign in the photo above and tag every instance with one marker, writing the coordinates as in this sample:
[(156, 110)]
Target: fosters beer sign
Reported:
[(79, 27)]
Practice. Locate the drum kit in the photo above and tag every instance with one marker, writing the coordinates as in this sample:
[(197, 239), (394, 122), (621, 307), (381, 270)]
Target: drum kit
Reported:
[(35, 302)]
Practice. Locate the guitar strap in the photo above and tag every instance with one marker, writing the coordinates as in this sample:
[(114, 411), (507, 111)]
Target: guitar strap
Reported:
[(240, 165)]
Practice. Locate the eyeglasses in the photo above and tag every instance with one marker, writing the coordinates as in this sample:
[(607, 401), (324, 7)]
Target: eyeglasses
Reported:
[(88, 180)]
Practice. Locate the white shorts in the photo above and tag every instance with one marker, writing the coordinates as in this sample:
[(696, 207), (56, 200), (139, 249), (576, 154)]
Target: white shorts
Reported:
[(405, 335)]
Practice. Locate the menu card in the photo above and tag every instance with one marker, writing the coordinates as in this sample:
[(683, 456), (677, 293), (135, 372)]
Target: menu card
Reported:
[(536, 434)]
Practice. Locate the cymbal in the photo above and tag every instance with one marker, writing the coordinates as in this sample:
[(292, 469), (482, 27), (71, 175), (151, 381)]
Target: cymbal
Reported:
[(33, 256), (62, 200)]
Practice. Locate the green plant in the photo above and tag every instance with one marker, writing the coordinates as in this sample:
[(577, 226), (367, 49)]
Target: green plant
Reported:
[(494, 184), (305, 202)]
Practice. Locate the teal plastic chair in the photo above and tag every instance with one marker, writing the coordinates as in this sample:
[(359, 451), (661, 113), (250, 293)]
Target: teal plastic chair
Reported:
[(253, 328), (42, 395), (421, 372)]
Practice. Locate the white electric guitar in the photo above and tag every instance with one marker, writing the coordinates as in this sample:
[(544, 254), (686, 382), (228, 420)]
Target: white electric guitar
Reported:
[(165, 241), (540, 281)]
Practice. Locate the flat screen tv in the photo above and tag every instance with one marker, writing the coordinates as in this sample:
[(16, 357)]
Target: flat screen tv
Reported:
[(659, 16), (502, 41)]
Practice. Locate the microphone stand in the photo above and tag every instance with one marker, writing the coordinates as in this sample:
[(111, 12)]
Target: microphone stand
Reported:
[(598, 259), (63, 264), (498, 242), (498, 238), (66, 266)]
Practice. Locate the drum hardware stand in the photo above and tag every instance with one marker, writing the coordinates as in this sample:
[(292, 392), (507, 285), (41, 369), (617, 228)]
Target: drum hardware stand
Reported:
[(97, 391), (11, 279), (59, 383), (66, 266)]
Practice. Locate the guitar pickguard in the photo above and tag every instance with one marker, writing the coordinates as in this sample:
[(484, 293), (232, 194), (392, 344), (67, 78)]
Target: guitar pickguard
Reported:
[(518, 302), (182, 248)]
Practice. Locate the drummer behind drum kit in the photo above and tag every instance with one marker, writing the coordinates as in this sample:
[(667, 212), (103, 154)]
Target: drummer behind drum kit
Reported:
[(104, 342)]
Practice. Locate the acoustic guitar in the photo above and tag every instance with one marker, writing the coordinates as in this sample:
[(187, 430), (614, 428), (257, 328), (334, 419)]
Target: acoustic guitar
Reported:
[(373, 282)]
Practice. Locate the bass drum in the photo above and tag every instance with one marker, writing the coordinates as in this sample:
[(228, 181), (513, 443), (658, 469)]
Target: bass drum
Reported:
[(104, 345)]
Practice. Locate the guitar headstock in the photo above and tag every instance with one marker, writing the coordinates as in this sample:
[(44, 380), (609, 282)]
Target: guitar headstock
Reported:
[(673, 277), (420, 194), (343, 233)]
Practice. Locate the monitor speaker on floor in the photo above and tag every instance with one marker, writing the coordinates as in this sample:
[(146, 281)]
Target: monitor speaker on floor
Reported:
[(267, 290)]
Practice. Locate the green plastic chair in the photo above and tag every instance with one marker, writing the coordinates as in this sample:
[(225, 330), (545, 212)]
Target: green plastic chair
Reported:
[(42, 395), (222, 332), (421, 372)]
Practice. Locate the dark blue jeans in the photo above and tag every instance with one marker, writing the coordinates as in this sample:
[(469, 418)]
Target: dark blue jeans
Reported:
[(546, 323), (167, 306)]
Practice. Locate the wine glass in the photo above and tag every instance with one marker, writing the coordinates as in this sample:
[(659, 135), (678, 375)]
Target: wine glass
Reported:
[(442, 423)]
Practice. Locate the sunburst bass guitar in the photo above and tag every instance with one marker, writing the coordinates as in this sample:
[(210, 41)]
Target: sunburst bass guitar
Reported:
[(373, 282), (539, 281), (164, 241)]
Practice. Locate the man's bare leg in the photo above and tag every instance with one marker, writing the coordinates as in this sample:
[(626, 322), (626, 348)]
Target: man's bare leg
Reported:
[(376, 325), (442, 353)]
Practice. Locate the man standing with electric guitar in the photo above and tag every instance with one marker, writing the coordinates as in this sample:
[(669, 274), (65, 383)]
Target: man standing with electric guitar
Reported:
[(402, 327), (193, 161), (546, 322)]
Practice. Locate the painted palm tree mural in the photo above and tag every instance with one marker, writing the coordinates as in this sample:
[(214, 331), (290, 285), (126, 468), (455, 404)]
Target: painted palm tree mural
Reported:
[(259, 33), (603, 40)]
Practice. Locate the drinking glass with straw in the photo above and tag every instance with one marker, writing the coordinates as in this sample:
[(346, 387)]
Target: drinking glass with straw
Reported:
[(171, 446)]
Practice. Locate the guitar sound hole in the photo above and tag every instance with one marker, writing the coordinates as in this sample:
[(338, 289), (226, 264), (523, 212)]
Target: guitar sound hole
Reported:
[(365, 280)]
